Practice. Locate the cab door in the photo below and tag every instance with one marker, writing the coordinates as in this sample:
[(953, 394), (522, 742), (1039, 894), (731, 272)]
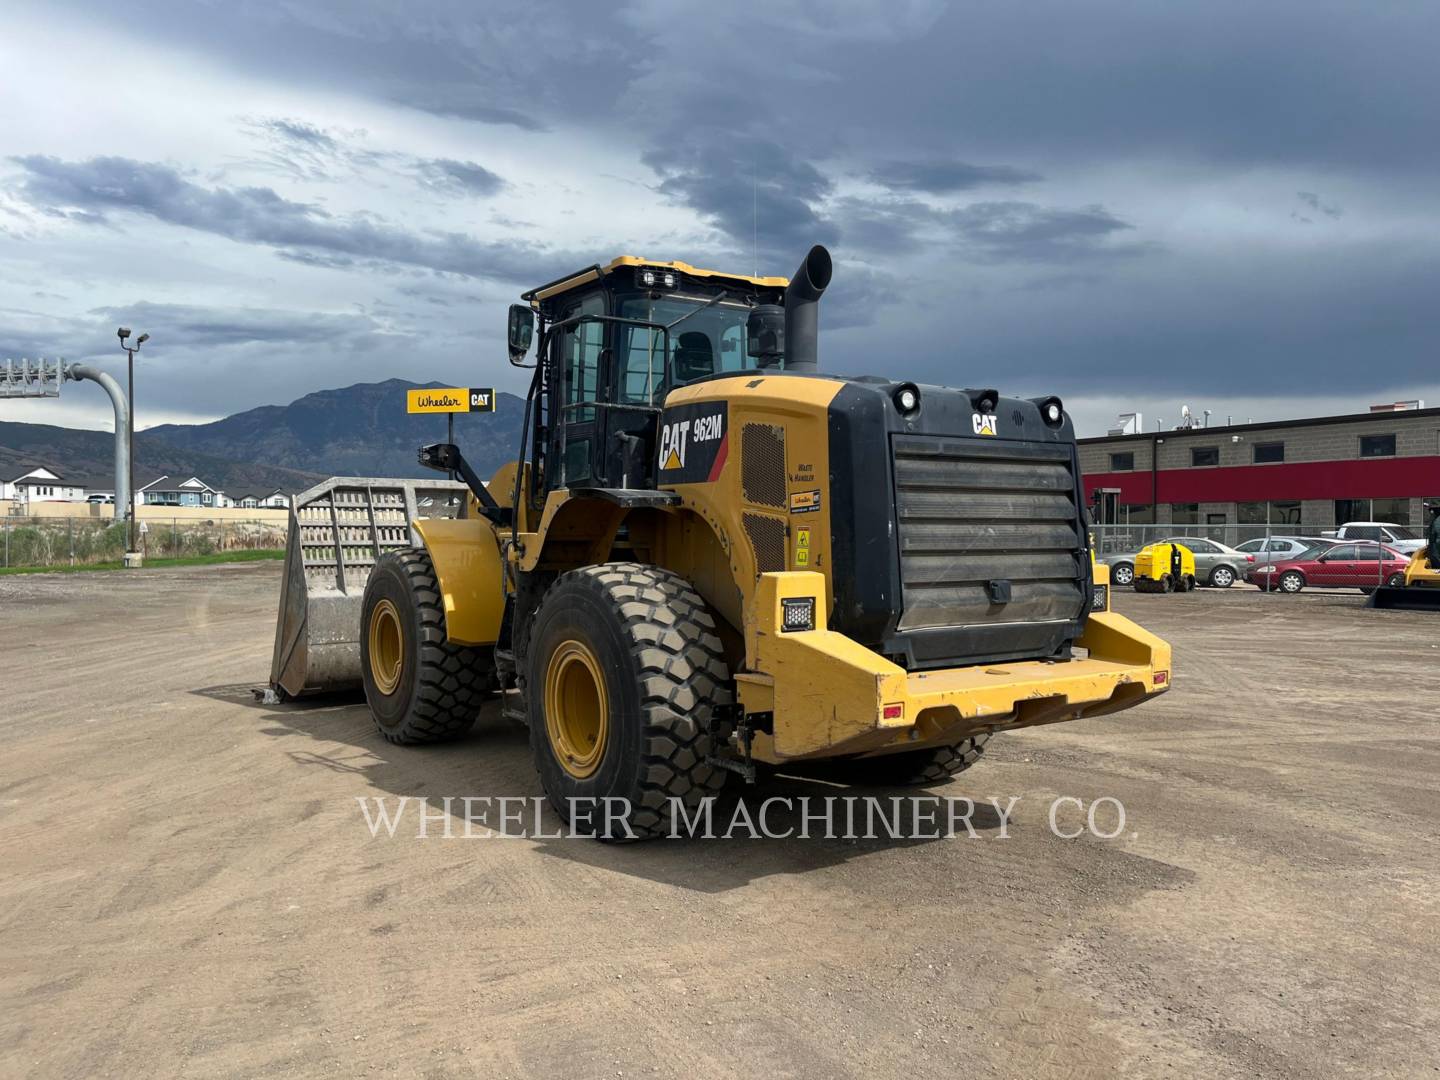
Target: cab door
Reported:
[(577, 352)]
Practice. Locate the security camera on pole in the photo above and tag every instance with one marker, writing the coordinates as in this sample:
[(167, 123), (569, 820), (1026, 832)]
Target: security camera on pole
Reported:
[(132, 553)]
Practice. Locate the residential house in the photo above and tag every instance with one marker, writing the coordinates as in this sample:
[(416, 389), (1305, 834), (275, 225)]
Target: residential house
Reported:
[(41, 485), (173, 491), (275, 500)]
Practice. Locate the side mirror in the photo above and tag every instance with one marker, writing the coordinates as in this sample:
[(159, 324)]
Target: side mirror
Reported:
[(520, 331)]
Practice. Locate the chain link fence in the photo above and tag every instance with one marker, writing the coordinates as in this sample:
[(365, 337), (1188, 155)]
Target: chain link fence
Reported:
[(40, 542), (1360, 565), (1123, 539)]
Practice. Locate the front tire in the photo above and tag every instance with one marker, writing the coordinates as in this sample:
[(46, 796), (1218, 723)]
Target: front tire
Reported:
[(1292, 581), (624, 670), (1222, 577), (1122, 574), (420, 687)]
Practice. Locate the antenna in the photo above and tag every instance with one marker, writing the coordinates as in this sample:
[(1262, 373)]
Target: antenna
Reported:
[(755, 219)]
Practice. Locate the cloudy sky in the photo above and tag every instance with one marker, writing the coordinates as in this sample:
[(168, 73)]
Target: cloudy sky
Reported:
[(1133, 204)]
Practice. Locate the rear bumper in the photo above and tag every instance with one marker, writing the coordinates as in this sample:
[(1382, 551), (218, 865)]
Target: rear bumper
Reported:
[(830, 695)]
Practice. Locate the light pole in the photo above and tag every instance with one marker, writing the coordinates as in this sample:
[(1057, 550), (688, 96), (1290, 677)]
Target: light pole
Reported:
[(130, 350)]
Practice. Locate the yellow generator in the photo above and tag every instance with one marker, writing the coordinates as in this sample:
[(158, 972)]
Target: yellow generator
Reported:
[(1165, 568), (711, 558)]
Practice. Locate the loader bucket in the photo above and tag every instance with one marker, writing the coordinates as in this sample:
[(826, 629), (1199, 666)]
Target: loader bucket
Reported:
[(1403, 598), (338, 529)]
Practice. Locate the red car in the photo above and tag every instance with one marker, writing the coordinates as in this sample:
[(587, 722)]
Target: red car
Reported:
[(1339, 566)]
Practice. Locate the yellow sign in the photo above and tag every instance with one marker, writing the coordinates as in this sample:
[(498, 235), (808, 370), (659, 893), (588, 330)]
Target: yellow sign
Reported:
[(802, 538), (451, 399), (802, 556)]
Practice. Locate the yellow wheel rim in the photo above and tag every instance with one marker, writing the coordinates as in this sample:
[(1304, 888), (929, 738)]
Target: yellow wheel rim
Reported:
[(577, 716), (387, 647)]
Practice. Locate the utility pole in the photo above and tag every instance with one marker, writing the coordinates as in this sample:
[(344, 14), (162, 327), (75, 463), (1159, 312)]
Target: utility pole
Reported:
[(130, 350)]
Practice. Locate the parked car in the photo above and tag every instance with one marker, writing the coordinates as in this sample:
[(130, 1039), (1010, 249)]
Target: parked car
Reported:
[(1215, 564), (1361, 565), (101, 500), (1384, 532), (1282, 547)]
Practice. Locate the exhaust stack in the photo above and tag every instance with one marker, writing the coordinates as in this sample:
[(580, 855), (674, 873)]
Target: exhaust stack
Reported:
[(802, 311)]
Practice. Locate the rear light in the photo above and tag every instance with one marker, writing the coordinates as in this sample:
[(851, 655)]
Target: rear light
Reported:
[(797, 613), (1162, 678), (892, 712), (1249, 558)]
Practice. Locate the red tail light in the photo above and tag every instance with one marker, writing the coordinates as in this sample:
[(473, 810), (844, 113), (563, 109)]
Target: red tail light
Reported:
[(1249, 558)]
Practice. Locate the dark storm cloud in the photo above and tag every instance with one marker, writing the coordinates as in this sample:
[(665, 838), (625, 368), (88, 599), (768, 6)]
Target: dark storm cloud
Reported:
[(258, 215), (1031, 233), (453, 102), (460, 177), (939, 177), (184, 325), (1006, 231), (752, 190)]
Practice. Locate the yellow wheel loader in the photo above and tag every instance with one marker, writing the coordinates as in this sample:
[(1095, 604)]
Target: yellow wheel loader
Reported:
[(710, 558), (1420, 589)]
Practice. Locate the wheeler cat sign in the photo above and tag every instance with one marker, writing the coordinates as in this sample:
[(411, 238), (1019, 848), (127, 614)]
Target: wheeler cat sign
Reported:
[(694, 441), (451, 399)]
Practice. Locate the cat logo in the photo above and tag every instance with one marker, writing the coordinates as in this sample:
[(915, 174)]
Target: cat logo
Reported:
[(984, 423), (693, 443)]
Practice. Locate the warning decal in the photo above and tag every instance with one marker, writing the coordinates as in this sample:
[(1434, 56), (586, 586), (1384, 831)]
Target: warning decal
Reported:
[(694, 440)]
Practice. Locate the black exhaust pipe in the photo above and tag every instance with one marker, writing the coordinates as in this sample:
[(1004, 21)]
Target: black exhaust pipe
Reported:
[(802, 311)]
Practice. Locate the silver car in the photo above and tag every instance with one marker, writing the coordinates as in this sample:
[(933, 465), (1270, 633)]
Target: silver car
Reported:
[(1282, 547), (1215, 564)]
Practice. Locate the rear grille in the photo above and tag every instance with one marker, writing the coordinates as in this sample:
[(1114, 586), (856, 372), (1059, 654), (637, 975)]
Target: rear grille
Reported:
[(971, 512), (762, 464), (767, 541)]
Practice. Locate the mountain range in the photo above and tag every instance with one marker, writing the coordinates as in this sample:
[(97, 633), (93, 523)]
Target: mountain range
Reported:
[(361, 430)]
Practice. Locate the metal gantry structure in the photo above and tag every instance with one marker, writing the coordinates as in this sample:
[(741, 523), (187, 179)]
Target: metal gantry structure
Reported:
[(42, 378)]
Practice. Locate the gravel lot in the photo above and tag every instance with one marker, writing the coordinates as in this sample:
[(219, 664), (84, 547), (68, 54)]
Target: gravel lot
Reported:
[(188, 888)]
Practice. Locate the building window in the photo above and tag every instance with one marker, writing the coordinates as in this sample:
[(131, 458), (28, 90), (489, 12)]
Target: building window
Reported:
[(1377, 445), (1396, 510), (1138, 514), (1122, 462), (1267, 513), (1205, 455), (1185, 513), (1267, 452)]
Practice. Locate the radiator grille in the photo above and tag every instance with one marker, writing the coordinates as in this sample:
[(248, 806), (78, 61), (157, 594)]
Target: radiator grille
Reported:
[(970, 512), (762, 464), (767, 541)]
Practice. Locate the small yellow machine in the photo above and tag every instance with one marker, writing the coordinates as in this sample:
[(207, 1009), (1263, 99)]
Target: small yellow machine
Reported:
[(710, 557), (1162, 568)]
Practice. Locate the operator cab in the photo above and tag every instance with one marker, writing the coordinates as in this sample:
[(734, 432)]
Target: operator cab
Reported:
[(613, 342)]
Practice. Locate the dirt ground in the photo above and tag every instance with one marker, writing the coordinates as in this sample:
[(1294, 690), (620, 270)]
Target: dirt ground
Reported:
[(188, 886)]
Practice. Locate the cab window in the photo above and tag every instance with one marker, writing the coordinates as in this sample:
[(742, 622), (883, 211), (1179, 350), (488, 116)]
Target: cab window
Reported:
[(581, 346), (709, 340)]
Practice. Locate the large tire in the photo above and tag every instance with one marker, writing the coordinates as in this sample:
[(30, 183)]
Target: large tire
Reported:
[(624, 670), (907, 768), (420, 688)]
